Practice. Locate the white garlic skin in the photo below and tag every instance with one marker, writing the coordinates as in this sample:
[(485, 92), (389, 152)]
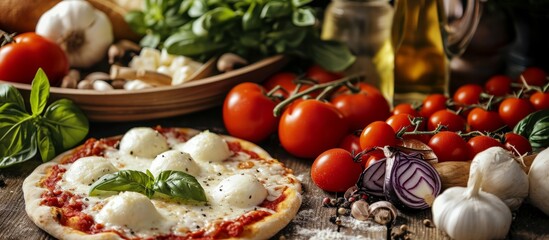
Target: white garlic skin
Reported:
[(470, 217), (539, 182), (502, 176)]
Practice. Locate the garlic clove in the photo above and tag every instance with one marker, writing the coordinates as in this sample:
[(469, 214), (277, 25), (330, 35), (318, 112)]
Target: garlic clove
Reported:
[(100, 85), (360, 211)]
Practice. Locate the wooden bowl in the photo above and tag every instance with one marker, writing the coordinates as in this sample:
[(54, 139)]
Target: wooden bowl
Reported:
[(160, 102)]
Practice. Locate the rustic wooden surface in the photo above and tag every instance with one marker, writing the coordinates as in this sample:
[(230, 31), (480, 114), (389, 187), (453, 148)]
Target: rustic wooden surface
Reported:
[(312, 222)]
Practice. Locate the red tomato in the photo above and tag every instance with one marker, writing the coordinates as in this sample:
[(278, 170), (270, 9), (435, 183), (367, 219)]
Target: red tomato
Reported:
[(400, 121), (452, 121), (377, 134), (361, 109), (405, 108), (514, 141), (351, 143), (484, 121), (309, 127), (248, 112), (481, 143), (335, 170), (431, 104), (540, 100), (321, 75), (374, 157), (449, 146), (468, 94), (285, 80), (512, 110), (20, 59), (534, 76), (498, 85)]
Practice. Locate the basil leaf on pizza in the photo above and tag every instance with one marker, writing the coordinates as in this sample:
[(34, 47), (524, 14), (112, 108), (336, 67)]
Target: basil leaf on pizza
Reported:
[(180, 185), (126, 180)]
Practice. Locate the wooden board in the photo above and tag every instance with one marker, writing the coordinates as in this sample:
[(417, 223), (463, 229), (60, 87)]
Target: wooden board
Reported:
[(312, 221)]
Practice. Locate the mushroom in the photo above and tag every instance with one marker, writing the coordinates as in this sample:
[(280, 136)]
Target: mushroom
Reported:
[(383, 212), (120, 49), (229, 61)]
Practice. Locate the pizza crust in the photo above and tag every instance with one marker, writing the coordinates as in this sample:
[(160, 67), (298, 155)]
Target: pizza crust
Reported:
[(44, 216)]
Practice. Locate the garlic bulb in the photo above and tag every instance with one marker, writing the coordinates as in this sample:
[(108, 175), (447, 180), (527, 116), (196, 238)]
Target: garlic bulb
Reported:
[(83, 32), (539, 177), (502, 176), (468, 213)]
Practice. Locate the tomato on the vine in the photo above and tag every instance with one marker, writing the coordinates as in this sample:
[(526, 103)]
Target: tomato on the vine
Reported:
[(377, 134), (405, 108), (512, 110), (335, 170), (534, 76), (468, 94), (481, 143), (498, 85), (449, 146), (540, 100), (20, 59), (431, 104), (452, 121), (321, 75), (514, 141), (374, 157), (248, 112), (309, 127), (484, 121), (286, 82), (360, 109)]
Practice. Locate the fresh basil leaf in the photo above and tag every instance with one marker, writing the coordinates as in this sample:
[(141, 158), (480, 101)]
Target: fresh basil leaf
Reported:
[(535, 127), (276, 9), (125, 180), (28, 152), (45, 144), (299, 3), (252, 18), (40, 92), (198, 8), (68, 121), (16, 129), (10, 94), (180, 185), (303, 17), (136, 21), (331, 55), (185, 6), (187, 44), (150, 40)]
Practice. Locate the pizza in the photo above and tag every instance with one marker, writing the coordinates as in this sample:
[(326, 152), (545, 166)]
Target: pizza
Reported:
[(163, 183)]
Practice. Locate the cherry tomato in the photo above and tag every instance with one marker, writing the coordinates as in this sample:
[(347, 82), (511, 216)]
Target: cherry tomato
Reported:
[(514, 141), (402, 120), (512, 110), (285, 80), (534, 76), (481, 143), (361, 109), (19, 60), (248, 112), (484, 121), (351, 143), (449, 146), (468, 94), (540, 100), (335, 170), (405, 108), (321, 75), (309, 127), (452, 121), (431, 104), (377, 134), (374, 157), (498, 85)]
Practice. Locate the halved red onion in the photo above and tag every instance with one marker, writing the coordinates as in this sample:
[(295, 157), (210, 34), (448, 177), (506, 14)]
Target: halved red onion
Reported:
[(410, 181), (372, 179)]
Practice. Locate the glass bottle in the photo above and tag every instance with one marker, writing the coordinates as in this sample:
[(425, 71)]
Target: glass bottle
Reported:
[(365, 26)]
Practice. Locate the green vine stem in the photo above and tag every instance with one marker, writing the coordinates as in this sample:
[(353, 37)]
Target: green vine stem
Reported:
[(326, 87)]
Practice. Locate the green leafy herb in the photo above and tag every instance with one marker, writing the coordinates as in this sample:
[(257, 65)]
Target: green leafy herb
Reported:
[(535, 127), (252, 29), (173, 184), (46, 130)]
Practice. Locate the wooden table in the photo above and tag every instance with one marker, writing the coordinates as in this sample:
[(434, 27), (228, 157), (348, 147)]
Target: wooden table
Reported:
[(312, 221)]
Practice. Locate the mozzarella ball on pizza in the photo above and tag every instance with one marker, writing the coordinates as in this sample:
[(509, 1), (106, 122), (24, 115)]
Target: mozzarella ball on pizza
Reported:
[(130, 209), (87, 170), (206, 147), (241, 190), (174, 160), (143, 142)]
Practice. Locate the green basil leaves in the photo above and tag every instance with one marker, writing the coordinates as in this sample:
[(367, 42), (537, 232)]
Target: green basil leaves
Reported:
[(252, 29), (174, 184), (535, 127), (47, 130)]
